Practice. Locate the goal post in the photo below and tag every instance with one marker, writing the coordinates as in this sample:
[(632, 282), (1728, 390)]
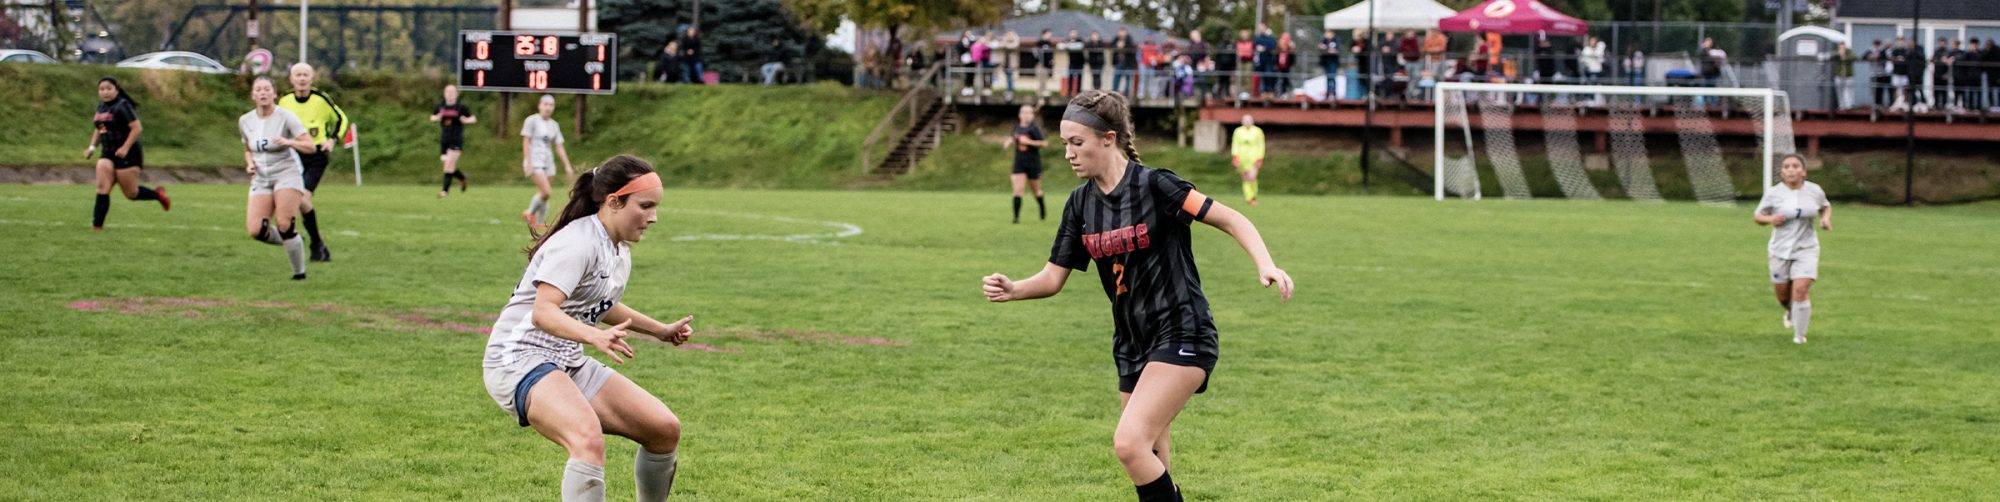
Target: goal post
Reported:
[(1697, 113)]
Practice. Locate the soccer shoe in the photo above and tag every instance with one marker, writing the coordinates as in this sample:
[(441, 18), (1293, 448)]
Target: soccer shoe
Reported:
[(461, 185), (166, 204), (1798, 339), (321, 254), (96, 228), (298, 277), (1788, 319), (442, 193)]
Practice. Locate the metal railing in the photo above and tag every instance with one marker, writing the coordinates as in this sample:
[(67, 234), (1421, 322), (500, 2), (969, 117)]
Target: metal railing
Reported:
[(910, 106)]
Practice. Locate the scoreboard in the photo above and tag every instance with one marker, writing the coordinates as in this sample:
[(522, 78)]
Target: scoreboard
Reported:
[(538, 62)]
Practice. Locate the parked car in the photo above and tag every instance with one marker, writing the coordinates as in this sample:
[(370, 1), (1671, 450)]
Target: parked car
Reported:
[(175, 60), (24, 56)]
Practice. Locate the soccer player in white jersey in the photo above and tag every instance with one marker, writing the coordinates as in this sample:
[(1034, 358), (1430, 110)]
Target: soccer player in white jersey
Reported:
[(541, 144), (1791, 208), (273, 138), (535, 368)]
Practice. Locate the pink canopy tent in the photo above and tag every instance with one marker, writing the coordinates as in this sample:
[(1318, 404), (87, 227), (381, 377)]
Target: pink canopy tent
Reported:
[(1514, 17)]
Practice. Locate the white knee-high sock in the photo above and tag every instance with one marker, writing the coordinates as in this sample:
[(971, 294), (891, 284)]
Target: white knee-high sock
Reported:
[(542, 211), (1801, 315), (295, 249), (582, 482), (655, 474), (536, 203)]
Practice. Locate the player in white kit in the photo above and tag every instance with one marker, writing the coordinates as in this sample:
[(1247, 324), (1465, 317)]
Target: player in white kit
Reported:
[(541, 144), (1790, 208), (535, 368), (272, 139)]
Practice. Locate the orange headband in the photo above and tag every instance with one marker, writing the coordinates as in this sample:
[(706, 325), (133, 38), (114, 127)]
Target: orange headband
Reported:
[(647, 181)]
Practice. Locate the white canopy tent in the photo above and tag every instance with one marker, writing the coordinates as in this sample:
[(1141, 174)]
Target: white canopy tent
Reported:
[(1390, 15)]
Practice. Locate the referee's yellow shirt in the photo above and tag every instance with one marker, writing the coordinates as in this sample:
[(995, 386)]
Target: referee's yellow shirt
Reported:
[(321, 117)]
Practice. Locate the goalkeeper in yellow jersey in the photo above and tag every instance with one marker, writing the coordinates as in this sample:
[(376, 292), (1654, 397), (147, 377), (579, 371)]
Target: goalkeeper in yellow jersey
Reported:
[(1246, 152)]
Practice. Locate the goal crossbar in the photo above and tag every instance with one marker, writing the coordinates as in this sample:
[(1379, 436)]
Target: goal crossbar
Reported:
[(1438, 108)]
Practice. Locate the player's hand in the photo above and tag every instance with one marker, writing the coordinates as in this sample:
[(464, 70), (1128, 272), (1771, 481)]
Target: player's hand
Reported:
[(88, 151), (326, 146), (123, 150), (1274, 275), (281, 141), (998, 288), (678, 332), (1825, 224), (1777, 219), (250, 169), (611, 341)]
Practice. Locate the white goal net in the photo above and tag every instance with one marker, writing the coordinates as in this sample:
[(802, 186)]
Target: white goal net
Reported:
[(1599, 142)]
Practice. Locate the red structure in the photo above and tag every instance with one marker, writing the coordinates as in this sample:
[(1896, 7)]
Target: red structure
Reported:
[(1514, 17)]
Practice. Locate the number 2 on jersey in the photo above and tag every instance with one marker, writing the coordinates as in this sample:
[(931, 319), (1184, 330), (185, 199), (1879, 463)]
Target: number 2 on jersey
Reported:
[(1118, 269)]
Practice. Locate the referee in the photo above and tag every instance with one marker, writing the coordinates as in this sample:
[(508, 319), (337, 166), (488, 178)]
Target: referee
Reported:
[(324, 121)]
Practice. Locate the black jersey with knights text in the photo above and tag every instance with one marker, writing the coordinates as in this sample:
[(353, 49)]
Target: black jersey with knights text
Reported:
[(451, 120), (1026, 155), (114, 124), (1139, 236)]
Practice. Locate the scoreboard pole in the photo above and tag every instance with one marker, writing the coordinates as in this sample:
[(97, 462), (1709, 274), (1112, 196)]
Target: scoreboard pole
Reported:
[(506, 23), (582, 26)]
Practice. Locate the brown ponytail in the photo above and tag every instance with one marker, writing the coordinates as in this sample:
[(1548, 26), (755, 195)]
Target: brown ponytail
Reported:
[(1111, 107), (588, 193)]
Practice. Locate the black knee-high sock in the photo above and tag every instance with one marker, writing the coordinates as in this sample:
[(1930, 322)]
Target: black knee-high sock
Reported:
[(1017, 208), (311, 221), (447, 182), (1160, 490), (103, 208), (147, 194), (1041, 208)]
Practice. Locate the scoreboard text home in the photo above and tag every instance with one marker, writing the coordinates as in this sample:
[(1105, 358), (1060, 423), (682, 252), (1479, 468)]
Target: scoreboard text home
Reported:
[(538, 62)]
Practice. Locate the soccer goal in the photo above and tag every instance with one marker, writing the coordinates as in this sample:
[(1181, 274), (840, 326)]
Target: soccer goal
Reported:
[(1486, 128)]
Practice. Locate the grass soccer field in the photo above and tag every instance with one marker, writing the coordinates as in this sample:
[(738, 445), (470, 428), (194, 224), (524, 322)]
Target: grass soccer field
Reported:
[(1496, 349)]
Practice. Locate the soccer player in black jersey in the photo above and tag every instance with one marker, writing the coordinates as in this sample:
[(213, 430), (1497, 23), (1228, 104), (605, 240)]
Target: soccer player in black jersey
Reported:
[(452, 117), (1133, 221), (116, 141), (1027, 143)]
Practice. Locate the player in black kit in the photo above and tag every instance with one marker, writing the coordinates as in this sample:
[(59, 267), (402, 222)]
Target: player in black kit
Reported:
[(1133, 221), (451, 117), (1027, 143)]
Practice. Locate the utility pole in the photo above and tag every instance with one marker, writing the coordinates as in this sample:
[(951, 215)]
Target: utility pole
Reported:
[(302, 30), (1910, 114), (1260, 15), (251, 29), (506, 23), (582, 26), (1368, 113)]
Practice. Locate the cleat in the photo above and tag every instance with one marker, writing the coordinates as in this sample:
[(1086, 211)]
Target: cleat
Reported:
[(166, 204)]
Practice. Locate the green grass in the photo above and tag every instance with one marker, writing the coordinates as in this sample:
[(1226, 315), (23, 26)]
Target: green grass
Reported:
[(1436, 351), (748, 136)]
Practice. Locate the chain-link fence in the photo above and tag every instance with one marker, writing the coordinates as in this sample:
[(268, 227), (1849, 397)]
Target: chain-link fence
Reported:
[(378, 37)]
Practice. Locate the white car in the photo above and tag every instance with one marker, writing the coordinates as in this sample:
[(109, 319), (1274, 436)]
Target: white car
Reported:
[(24, 56), (175, 60)]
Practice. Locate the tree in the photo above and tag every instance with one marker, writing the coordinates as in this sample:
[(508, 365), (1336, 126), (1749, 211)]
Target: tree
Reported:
[(735, 34), (824, 15)]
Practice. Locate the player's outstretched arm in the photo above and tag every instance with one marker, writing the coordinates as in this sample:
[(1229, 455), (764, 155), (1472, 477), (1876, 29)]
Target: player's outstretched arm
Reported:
[(1044, 284), (1236, 225), (675, 333), (549, 317), (1826, 217)]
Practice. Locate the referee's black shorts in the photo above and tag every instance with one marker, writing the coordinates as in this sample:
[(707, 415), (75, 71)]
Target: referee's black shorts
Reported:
[(315, 166)]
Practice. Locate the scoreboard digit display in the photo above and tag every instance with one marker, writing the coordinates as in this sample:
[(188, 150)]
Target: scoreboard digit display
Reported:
[(538, 62)]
